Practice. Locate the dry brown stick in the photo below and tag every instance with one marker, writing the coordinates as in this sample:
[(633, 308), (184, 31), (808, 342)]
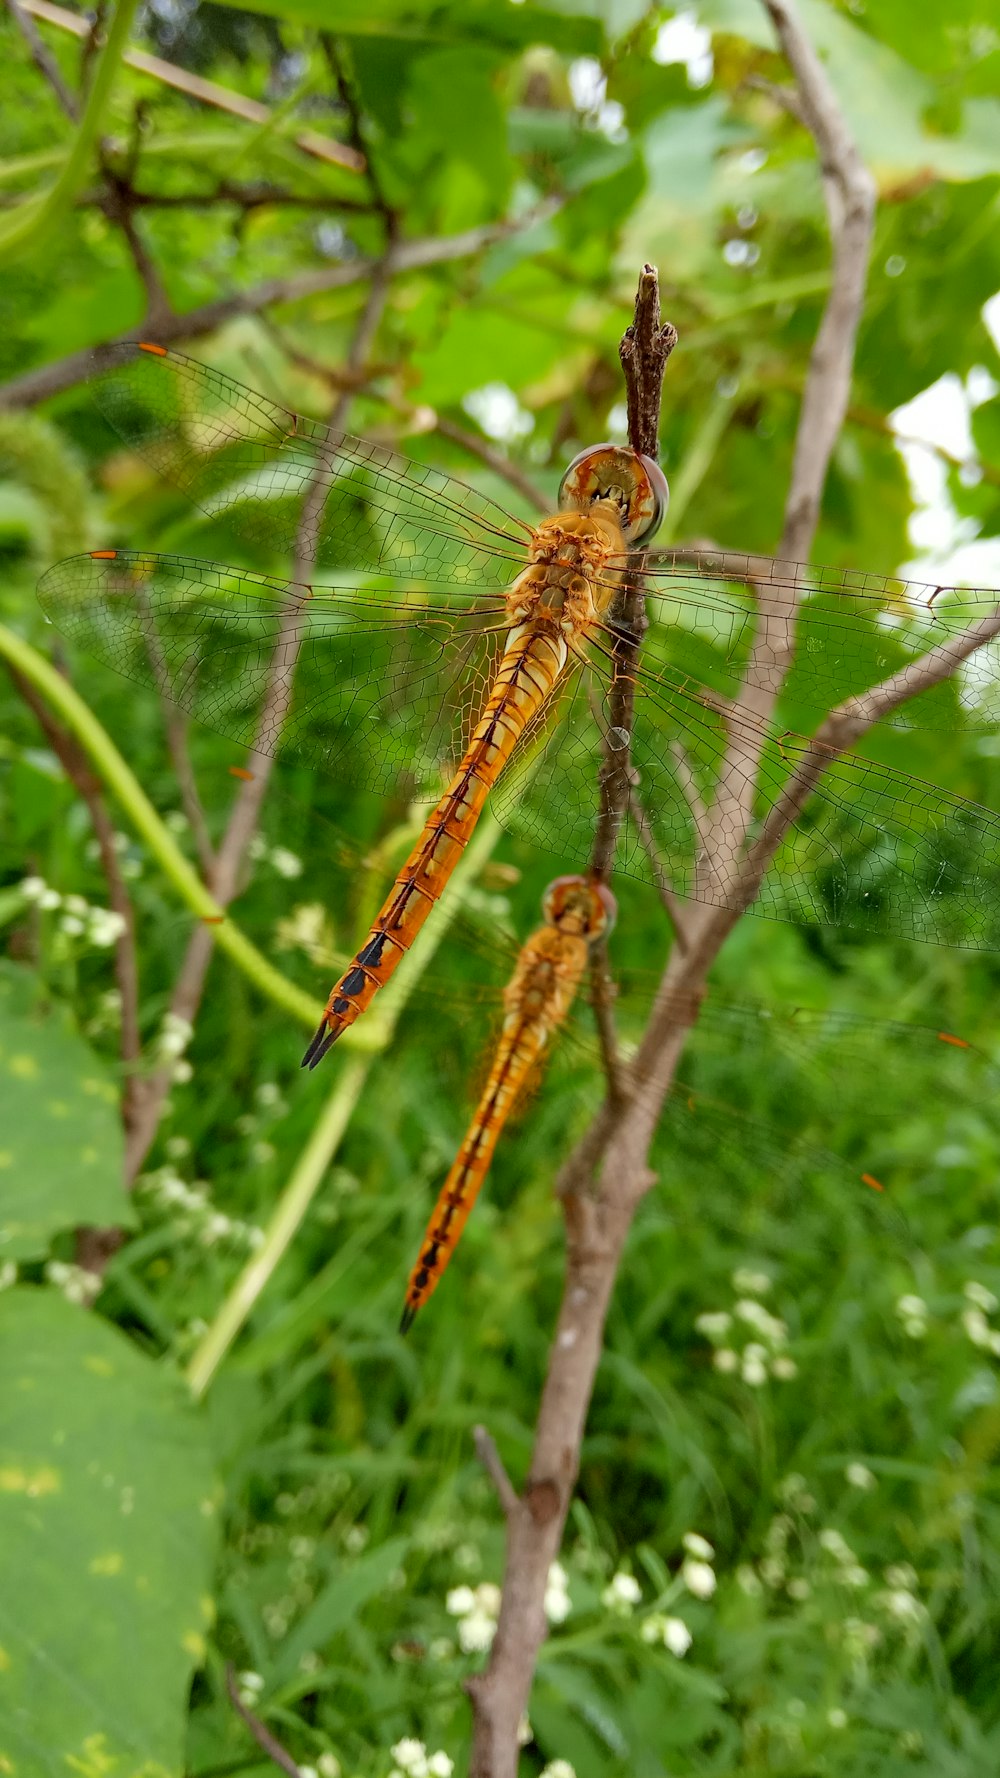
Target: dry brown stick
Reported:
[(267, 1742), (245, 813), (599, 1209), (194, 86), (77, 367)]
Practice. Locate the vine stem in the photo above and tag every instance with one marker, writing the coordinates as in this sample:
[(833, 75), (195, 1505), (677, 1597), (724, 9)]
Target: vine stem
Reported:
[(40, 213), (369, 1039), (125, 786)]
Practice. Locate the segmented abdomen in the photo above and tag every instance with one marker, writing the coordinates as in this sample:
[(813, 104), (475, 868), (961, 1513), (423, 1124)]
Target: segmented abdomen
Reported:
[(529, 670)]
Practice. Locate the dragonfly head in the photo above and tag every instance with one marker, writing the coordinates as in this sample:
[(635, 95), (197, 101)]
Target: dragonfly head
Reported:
[(580, 906), (633, 484)]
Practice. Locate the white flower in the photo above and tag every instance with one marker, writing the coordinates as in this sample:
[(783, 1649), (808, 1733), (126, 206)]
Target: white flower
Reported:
[(308, 1772), (268, 1093), (854, 1575), (975, 1293), (772, 1571), (698, 1577), (285, 863), (696, 1545), (440, 1766), (33, 888), (441, 1648), (837, 1718), (860, 1476), (488, 1597), (262, 1152), (557, 1599), (671, 1631), (175, 1035), (411, 1755), (106, 926), (976, 1326), (725, 1359), (784, 1368), (251, 1683), (355, 1538), (754, 1371), (911, 1308), (71, 925), (49, 899), (525, 1732), (460, 1601), (476, 1631), (8, 1274), (558, 1768), (835, 1545), (714, 1323), (748, 1580), (328, 1766), (621, 1593), (901, 1603), (181, 1072), (754, 1283), (900, 1574), (915, 1329), (799, 1588)]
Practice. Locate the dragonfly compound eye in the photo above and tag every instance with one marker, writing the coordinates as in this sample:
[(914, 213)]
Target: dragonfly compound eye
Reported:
[(636, 485), (581, 903)]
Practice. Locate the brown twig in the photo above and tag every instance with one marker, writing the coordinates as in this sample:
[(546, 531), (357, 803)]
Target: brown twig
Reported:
[(604, 1179), (645, 347), (492, 1462), (43, 59), (267, 1742), (65, 373)]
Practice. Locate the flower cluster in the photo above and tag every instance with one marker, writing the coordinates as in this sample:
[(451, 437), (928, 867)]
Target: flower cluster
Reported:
[(477, 1610), (168, 1191), (99, 926), (847, 1570), (697, 1572), (762, 1356), (307, 928), (76, 1283), (286, 863), (672, 1632), (413, 1761), (980, 1303), (913, 1313)]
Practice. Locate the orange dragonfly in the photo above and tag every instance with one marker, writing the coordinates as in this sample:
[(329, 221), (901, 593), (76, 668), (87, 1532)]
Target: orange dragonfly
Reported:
[(437, 641)]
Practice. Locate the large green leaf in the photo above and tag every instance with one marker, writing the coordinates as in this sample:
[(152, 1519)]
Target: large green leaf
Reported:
[(481, 21), (107, 1511), (60, 1135)]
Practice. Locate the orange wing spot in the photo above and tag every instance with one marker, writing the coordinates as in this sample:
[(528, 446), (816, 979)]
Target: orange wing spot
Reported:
[(870, 1179), (103, 555), (213, 919), (241, 772), (959, 1042), (147, 346)]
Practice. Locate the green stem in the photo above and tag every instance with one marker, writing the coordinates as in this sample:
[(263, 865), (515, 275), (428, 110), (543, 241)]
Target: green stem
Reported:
[(39, 214), (121, 780), (370, 1037)]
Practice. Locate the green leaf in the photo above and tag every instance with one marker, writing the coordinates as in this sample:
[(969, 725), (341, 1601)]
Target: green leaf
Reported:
[(480, 21), (106, 1516), (60, 1135)]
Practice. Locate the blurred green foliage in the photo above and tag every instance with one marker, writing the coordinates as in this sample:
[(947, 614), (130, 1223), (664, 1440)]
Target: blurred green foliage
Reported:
[(842, 1464)]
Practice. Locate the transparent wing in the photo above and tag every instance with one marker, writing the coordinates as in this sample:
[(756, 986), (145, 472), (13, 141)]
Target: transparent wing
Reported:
[(874, 850), (379, 692), (851, 631), (285, 482)]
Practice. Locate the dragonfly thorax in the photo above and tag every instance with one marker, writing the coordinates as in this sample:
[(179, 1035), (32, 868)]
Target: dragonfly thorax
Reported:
[(569, 582)]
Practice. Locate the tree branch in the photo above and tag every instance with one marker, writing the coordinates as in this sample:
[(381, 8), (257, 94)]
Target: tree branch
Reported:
[(267, 1742), (43, 59), (77, 367)]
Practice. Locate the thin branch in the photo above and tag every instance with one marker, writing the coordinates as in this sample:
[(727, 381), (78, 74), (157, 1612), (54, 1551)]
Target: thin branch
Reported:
[(43, 59), (248, 195), (493, 1464), (77, 367), (785, 97), (647, 840), (117, 207), (496, 460), (267, 1742), (207, 92)]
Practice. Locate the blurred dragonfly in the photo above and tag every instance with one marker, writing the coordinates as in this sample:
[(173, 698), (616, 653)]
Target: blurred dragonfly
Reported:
[(436, 641)]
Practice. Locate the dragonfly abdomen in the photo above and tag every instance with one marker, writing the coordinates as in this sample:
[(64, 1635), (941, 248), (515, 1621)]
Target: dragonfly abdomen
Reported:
[(532, 663)]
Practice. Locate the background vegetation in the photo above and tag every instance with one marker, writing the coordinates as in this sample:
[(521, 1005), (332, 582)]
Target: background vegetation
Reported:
[(319, 1519)]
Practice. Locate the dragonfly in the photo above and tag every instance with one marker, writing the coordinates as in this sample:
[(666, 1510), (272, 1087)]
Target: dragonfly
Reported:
[(436, 641)]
